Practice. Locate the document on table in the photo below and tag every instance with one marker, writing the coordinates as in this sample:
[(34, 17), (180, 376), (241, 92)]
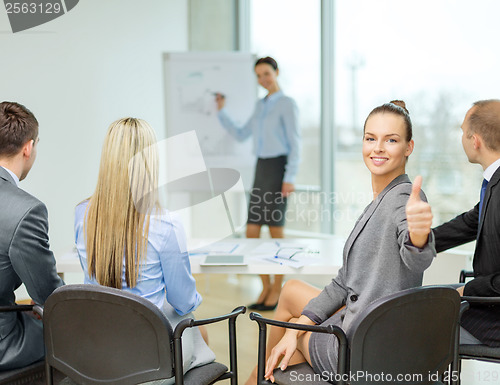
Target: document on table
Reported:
[(284, 253), (297, 263)]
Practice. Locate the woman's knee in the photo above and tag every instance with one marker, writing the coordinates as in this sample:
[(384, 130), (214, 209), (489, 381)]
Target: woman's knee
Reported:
[(292, 287), (296, 293), (292, 290)]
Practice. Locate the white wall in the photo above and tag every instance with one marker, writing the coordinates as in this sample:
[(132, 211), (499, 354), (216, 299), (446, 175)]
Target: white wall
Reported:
[(99, 62)]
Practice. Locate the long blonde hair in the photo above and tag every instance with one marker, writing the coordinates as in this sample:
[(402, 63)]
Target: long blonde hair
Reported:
[(118, 213)]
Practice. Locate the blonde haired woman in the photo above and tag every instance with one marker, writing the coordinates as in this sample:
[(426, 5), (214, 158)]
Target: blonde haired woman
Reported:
[(125, 240)]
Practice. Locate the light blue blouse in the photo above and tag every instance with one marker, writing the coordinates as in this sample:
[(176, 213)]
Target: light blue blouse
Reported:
[(166, 273), (274, 125)]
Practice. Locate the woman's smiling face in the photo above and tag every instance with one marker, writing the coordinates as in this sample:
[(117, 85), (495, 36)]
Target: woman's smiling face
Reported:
[(385, 148)]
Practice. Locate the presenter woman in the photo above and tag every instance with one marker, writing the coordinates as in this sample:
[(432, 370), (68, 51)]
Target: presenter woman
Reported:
[(387, 251), (126, 241), (276, 140)]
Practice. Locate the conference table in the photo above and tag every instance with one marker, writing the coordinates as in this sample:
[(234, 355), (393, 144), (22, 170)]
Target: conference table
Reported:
[(309, 256)]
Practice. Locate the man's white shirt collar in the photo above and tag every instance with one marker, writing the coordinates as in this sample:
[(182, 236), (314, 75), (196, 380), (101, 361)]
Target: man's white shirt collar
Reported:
[(488, 173), (14, 176)]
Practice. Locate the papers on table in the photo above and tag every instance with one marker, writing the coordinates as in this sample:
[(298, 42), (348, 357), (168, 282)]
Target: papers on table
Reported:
[(291, 254), (284, 253), (286, 262)]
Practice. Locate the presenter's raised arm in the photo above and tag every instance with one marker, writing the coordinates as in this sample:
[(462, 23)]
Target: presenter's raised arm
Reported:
[(240, 133)]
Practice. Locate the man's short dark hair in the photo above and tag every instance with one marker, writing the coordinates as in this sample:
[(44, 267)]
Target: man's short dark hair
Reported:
[(485, 120), (18, 125)]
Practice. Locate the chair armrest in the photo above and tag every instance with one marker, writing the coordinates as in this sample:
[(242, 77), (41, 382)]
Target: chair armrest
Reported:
[(38, 310), (291, 325), (190, 322), (473, 299), (11, 308), (330, 329), (235, 313), (465, 274), (464, 306), (482, 300)]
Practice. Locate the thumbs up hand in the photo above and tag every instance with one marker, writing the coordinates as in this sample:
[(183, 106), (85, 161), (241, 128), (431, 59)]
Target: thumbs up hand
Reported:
[(418, 216)]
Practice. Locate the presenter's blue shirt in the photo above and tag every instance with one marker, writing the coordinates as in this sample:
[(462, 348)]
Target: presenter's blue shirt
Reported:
[(275, 130), (166, 272)]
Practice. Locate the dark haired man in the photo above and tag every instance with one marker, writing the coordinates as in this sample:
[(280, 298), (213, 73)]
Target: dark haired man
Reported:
[(481, 142), (25, 257)]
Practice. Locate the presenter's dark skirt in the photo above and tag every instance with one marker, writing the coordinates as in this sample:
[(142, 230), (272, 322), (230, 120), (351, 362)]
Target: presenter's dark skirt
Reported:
[(267, 204)]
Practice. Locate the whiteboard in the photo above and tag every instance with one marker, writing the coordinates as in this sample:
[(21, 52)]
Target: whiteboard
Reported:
[(191, 79)]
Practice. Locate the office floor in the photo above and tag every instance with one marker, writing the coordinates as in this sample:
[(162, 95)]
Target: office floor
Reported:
[(221, 293)]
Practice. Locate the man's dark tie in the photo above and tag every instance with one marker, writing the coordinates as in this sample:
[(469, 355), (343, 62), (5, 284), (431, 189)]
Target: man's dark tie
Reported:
[(481, 197)]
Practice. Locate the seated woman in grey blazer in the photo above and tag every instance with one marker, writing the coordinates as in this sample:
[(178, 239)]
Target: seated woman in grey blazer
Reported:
[(387, 251)]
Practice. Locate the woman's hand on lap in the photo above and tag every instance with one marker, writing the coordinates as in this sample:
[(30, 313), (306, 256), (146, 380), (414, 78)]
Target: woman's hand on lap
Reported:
[(286, 347)]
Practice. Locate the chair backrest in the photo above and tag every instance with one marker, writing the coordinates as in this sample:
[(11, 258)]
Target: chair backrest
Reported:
[(98, 335), (410, 334)]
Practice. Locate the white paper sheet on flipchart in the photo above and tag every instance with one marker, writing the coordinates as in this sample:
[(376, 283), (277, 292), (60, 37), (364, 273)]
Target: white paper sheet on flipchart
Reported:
[(218, 248)]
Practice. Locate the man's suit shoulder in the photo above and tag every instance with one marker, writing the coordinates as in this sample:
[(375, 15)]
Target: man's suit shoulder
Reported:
[(17, 197), (15, 204)]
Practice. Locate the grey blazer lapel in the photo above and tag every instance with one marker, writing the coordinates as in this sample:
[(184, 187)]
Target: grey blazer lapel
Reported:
[(369, 212), (491, 185), (6, 176)]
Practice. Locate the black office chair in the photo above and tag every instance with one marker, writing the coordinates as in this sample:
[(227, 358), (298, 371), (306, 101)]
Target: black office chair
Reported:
[(31, 374), (478, 352), (413, 333), (99, 335)]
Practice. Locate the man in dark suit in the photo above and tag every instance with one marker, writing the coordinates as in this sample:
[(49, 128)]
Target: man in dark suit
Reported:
[(481, 142), (25, 256)]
